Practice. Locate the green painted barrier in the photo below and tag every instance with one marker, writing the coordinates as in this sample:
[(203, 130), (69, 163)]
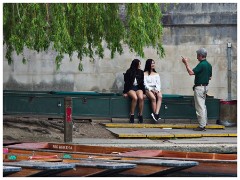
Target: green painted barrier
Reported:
[(87, 93), (102, 105)]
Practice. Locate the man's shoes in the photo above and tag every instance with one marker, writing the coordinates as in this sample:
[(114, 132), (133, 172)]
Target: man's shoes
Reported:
[(140, 119), (131, 120), (199, 129), (155, 117)]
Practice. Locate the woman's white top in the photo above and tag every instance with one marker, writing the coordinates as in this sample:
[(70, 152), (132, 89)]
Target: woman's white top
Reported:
[(135, 82), (152, 82)]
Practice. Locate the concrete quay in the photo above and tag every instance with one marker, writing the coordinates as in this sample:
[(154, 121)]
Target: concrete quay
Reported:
[(213, 142)]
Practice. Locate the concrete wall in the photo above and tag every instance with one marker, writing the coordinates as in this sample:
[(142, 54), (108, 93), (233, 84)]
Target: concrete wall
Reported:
[(187, 27)]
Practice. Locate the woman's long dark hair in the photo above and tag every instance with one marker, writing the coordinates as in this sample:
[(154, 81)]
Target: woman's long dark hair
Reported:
[(148, 66), (134, 68), (134, 65)]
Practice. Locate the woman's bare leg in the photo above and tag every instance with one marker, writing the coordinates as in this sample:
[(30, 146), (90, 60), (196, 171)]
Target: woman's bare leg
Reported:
[(140, 101), (159, 102), (152, 98), (132, 94)]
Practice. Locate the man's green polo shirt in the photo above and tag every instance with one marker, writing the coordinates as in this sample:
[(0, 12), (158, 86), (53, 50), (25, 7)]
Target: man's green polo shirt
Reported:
[(203, 71)]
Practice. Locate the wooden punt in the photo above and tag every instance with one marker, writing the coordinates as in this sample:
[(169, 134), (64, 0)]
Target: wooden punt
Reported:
[(210, 164), (84, 163), (33, 163)]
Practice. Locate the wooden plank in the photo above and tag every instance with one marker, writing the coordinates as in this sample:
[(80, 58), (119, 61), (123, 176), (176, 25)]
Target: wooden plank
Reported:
[(10, 142), (153, 166), (86, 148), (40, 165), (112, 151), (163, 162), (96, 168), (7, 170), (40, 145), (42, 168), (104, 164), (225, 156), (144, 153)]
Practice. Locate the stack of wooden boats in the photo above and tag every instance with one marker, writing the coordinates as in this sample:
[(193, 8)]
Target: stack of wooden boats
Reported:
[(55, 159)]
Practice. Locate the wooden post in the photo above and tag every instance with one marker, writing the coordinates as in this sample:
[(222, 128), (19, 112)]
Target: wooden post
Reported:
[(68, 124)]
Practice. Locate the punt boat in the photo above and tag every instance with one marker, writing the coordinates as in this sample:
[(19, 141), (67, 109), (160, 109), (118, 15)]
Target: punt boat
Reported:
[(209, 164), (88, 164)]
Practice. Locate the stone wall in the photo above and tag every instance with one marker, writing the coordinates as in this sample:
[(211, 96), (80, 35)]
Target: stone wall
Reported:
[(187, 27)]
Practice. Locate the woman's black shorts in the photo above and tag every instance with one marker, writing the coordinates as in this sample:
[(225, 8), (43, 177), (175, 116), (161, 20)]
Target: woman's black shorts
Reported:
[(135, 88)]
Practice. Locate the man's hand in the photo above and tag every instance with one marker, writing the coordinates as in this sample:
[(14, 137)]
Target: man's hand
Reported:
[(189, 70), (184, 60), (125, 95)]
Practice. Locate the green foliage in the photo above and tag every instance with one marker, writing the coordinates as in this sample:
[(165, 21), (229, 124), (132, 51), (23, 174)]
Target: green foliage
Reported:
[(81, 28)]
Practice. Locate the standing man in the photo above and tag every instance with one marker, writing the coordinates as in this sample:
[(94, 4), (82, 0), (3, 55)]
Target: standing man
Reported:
[(203, 73)]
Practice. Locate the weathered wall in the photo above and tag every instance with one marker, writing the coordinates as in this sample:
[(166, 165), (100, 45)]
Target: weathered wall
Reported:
[(190, 26), (187, 27)]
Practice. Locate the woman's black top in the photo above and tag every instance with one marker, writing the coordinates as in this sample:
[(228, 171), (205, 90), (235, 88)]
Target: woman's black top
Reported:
[(129, 78)]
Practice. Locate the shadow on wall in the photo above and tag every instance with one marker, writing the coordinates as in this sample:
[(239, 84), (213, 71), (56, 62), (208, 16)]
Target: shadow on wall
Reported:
[(118, 83), (96, 89), (12, 84)]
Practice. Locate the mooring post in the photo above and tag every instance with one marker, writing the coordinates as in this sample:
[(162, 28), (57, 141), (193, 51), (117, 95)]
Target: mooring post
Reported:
[(229, 74), (68, 123)]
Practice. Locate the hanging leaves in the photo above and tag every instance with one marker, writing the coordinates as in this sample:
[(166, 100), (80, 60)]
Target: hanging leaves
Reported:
[(81, 28)]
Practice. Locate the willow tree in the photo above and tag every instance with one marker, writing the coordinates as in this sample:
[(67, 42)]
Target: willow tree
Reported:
[(81, 28)]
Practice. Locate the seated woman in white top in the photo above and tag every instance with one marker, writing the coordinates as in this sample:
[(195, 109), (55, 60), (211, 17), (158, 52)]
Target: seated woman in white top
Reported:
[(152, 84)]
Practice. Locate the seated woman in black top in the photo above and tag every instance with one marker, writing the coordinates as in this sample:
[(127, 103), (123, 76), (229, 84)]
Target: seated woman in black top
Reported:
[(134, 88)]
